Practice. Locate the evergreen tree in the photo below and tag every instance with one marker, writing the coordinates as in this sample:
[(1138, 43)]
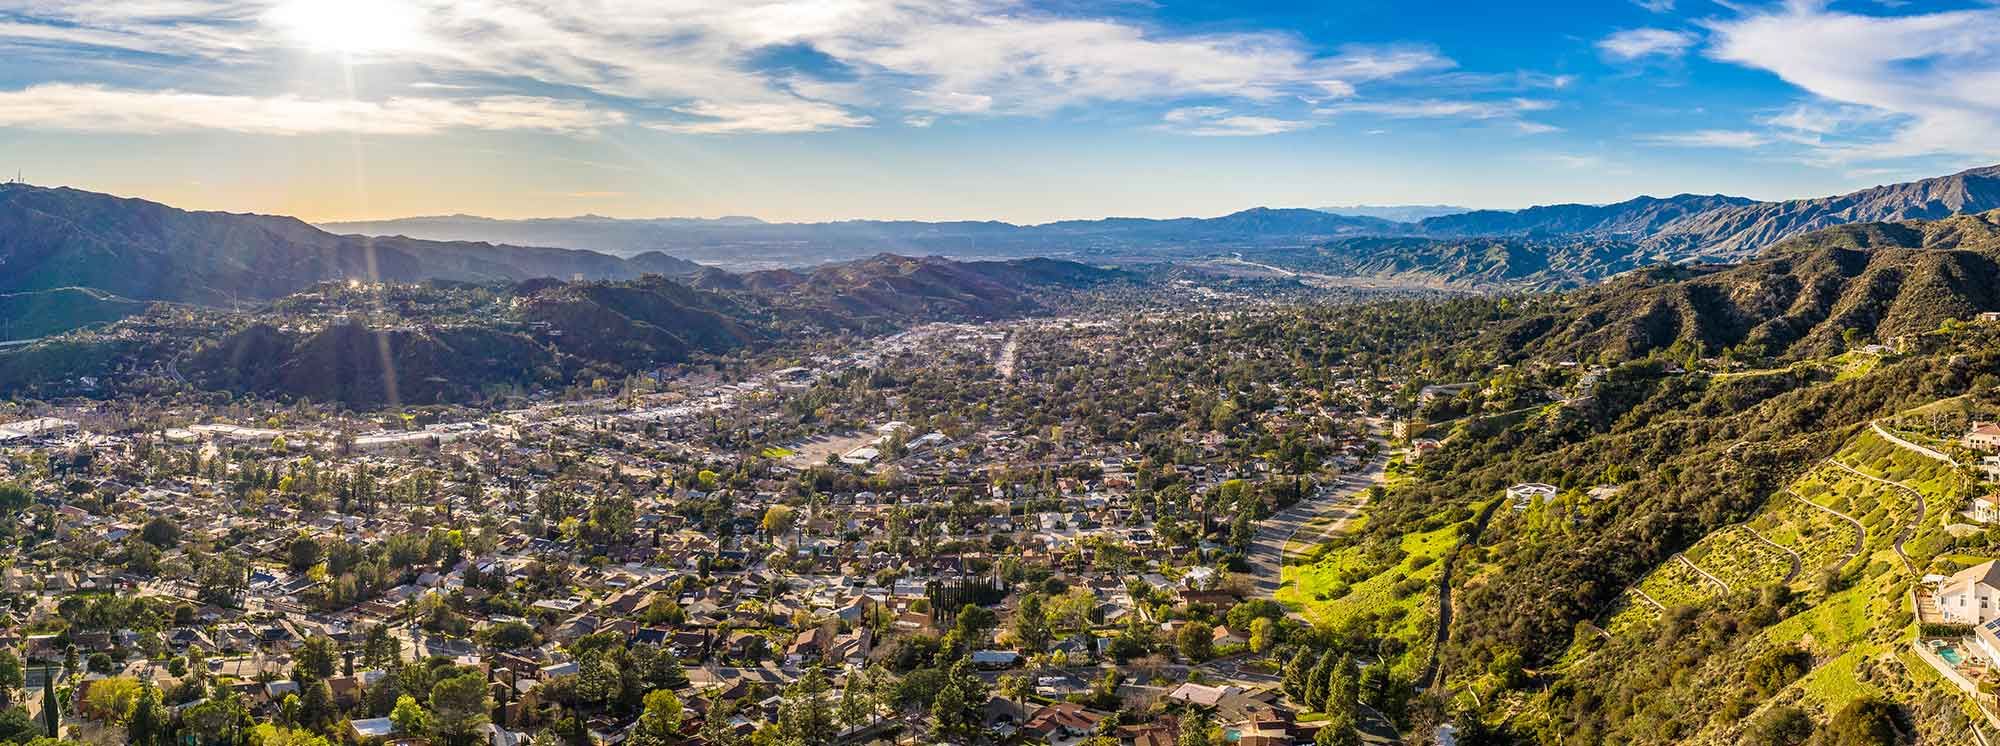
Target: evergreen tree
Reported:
[(804, 717), (1295, 674), (51, 711), (1316, 681)]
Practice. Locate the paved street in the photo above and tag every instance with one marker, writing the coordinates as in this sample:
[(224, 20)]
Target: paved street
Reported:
[(1341, 499)]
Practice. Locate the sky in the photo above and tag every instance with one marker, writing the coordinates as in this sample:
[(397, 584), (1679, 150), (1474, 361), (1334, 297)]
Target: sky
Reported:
[(1017, 110)]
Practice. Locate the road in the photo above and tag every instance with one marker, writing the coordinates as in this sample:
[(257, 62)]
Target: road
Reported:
[(1929, 453), (1860, 538), (1267, 549), (1923, 509)]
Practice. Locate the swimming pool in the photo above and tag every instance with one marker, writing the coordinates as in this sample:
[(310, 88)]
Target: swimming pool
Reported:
[(1951, 655)]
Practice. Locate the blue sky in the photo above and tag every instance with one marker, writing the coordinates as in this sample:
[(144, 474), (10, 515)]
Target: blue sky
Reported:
[(1018, 110)]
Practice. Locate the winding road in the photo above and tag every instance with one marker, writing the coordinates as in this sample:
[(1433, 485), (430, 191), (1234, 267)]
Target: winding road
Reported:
[(1860, 539), (1343, 497), (1908, 531), (1704, 573), (1798, 562)]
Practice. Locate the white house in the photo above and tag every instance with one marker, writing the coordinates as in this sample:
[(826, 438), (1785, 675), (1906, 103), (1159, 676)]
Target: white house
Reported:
[(1985, 509), (1525, 495), (1969, 595), (1985, 436)]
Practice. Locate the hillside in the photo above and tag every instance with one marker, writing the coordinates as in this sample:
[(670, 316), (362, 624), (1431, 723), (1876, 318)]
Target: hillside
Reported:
[(372, 346), (1881, 281), (61, 238), (1742, 230), (1632, 218)]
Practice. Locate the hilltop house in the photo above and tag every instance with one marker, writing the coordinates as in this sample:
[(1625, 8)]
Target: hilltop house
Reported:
[(1969, 595), (1985, 509), (1985, 436)]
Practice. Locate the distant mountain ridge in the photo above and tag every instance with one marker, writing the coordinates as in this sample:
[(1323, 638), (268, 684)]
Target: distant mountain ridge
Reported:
[(747, 243), (1396, 213), (60, 237)]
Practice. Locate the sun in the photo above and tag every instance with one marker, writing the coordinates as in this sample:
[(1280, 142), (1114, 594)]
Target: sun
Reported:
[(350, 27)]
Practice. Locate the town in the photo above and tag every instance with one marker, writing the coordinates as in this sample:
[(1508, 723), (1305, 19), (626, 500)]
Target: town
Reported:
[(958, 533)]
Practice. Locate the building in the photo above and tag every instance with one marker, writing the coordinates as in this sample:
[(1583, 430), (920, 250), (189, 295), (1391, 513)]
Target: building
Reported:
[(1985, 436), (1525, 495), (1968, 596), (1985, 509)]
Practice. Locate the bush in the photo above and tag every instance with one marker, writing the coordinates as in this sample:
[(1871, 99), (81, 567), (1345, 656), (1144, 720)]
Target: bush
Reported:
[(1943, 631)]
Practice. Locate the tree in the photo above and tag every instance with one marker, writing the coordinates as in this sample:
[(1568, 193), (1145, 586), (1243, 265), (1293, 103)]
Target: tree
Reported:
[(1296, 672), (778, 520), (1262, 633), (1195, 729), (804, 718), (161, 532), (1196, 641), (304, 552), (857, 703), (1863, 722), (510, 636), (1779, 726), (317, 660), (1031, 625), (1339, 730), (51, 710), (110, 700), (147, 725), (955, 713), (660, 721), (12, 676), (17, 727), (459, 706), (1321, 673), (409, 717)]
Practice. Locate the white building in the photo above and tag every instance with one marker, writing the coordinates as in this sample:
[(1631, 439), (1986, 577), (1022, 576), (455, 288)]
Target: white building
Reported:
[(1525, 495), (1968, 596), (1985, 436)]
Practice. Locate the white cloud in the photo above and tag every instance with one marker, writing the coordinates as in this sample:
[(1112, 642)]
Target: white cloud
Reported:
[(1731, 139), (1215, 121), (1633, 44), (92, 108), (777, 117), (705, 58), (1656, 6), (1508, 111), (1930, 81)]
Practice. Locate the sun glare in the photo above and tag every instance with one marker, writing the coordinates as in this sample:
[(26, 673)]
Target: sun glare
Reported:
[(352, 27)]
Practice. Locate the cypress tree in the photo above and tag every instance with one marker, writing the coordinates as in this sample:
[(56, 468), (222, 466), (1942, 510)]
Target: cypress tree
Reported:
[(50, 716)]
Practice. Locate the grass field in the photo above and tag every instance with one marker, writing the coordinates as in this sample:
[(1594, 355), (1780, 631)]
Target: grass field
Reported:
[(1342, 583)]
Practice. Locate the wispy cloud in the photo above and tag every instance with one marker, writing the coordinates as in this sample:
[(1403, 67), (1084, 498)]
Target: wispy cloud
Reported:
[(1634, 44), (93, 108), (1925, 84), (1729, 139), (1508, 112), (894, 59), (1214, 121)]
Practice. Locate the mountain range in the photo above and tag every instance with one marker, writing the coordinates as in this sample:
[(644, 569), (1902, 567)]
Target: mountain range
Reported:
[(747, 243), (1435, 244)]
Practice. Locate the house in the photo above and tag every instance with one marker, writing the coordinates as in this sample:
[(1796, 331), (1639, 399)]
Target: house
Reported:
[(1985, 436), (1062, 723), (1527, 494), (1985, 509), (1200, 695), (1969, 596)]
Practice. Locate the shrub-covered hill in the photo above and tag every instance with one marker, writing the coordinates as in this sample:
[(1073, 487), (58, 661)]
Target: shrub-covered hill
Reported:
[(436, 342), (1808, 296)]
